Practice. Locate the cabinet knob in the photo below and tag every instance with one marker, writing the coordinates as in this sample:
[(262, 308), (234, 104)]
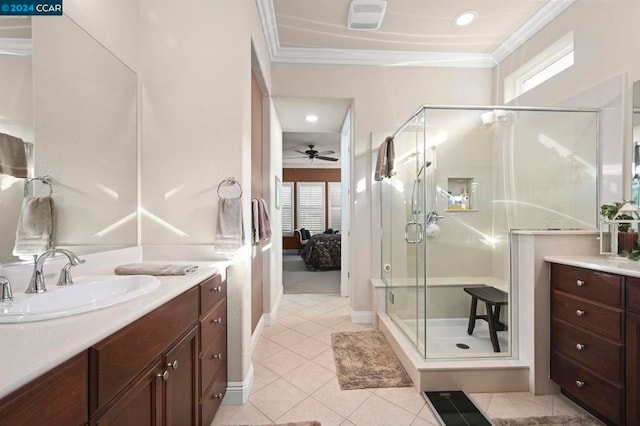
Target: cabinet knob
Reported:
[(216, 396), (579, 383), (218, 289), (579, 346), (216, 321), (216, 356), (173, 365), (579, 283), (580, 313), (164, 375)]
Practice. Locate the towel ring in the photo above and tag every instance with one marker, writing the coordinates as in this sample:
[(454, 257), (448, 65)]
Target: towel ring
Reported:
[(230, 181), (46, 180)]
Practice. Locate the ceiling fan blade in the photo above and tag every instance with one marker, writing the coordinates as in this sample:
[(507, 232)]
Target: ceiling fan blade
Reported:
[(294, 158), (300, 152), (326, 152), (319, 157)]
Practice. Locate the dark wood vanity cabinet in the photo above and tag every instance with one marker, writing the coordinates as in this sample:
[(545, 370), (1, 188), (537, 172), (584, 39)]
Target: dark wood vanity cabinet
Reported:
[(56, 398), (595, 341), (167, 368)]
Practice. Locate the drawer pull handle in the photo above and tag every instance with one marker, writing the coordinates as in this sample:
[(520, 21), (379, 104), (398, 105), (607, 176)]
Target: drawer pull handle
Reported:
[(579, 346), (216, 396), (164, 375), (579, 383), (218, 356), (218, 289), (580, 283), (216, 321), (580, 313), (173, 365)]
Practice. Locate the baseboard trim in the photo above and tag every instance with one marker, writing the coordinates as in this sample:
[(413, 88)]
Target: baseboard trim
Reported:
[(362, 317), (270, 318), (238, 392)]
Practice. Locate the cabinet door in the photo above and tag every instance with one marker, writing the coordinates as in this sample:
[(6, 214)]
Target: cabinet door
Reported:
[(181, 362), (633, 368), (141, 405)]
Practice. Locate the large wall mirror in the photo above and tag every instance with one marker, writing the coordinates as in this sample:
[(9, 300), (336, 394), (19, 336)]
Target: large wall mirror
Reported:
[(635, 138), (75, 102)]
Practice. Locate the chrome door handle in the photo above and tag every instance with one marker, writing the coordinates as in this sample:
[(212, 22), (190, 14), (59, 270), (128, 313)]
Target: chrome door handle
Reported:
[(579, 283), (216, 396), (580, 313), (164, 375), (217, 356), (418, 226), (579, 346), (579, 383), (218, 289), (173, 365), (216, 321)]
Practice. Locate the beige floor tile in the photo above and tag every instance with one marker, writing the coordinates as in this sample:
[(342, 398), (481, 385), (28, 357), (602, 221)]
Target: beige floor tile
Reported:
[(310, 313), (347, 423), (245, 414), (287, 338), (330, 320), (265, 348), (262, 376), (376, 411), (306, 300), (519, 404), (481, 400), (326, 360), (309, 348), (273, 330), (283, 362), (324, 336), (277, 398), (427, 414), (327, 308), (564, 407), (419, 421), (309, 377), (350, 326), (292, 320), (292, 307), (309, 328), (407, 398), (310, 409), (342, 402)]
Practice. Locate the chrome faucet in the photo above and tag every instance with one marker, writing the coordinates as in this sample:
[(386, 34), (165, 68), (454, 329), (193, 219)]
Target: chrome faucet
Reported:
[(5, 290), (36, 285)]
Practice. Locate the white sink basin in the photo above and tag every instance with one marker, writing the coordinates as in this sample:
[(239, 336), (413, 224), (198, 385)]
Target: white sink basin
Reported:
[(88, 293)]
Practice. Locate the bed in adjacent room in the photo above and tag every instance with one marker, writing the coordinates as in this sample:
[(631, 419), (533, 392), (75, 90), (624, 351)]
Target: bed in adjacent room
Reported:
[(322, 252)]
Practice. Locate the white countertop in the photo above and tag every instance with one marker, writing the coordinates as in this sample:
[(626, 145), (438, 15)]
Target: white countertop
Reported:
[(614, 265), (31, 349)]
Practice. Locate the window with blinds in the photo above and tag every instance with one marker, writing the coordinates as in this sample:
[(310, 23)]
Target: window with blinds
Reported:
[(310, 206), (335, 204), (286, 208)]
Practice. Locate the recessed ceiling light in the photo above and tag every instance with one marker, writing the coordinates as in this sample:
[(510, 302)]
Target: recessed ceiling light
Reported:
[(311, 118), (465, 18)]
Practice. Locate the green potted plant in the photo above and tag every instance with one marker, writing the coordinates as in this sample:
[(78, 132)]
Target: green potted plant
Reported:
[(627, 237)]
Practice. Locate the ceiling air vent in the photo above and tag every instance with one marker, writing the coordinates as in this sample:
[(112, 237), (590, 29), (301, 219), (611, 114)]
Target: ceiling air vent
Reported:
[(366, 15)]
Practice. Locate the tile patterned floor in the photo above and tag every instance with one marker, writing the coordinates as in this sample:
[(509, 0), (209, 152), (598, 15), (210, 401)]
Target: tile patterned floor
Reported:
[(295, 378)]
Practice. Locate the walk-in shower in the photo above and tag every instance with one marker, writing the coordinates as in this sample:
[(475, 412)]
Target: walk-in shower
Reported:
[(465, 177)]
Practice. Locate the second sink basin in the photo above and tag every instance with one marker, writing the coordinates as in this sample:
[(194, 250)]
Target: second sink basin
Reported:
[(88, 293)]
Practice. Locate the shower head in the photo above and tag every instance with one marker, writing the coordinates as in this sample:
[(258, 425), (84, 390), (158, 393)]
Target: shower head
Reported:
[(424, 166)]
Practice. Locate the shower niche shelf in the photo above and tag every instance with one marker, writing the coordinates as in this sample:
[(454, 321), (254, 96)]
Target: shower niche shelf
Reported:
[(460, 196)]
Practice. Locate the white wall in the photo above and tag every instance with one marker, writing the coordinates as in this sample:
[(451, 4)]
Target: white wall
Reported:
[(384, 97)]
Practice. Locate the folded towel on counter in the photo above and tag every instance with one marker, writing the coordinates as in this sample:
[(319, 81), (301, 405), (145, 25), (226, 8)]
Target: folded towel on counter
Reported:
[(155, 269), (229, 226), (386, 158), (35, 226), (13, 156)]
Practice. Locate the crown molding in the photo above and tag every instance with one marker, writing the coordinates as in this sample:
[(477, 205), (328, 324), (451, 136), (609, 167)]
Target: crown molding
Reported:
[(16, 46), (542, 17), (277, 53)]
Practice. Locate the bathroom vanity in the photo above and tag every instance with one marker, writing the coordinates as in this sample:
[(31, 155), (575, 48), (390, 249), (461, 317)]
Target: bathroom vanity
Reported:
[(595, 335), (168, 366)]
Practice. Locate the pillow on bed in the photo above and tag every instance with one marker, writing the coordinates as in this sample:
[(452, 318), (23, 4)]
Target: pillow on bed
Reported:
[(305, 234)]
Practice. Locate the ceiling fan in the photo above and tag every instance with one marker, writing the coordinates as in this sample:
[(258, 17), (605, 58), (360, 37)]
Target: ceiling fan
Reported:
[(312, 154)]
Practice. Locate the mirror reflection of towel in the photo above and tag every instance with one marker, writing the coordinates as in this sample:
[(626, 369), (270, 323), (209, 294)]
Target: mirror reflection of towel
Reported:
[(35, 226), (13, 156)]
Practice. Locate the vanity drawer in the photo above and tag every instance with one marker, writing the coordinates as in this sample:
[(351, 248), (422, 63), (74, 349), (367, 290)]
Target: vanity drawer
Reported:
[(211, 292), (212, 359), (633, 294), (601, 355), (117, 360), (593, 391), (213, 397), (597, 286), (591, 316), (214, 322)]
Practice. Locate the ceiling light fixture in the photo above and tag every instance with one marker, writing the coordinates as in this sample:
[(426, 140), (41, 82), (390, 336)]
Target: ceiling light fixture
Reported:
[(466, 17), (311, 118)]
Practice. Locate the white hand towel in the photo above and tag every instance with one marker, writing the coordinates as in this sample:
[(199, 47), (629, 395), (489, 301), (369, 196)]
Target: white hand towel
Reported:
[(155, 269), (229, 227), (13, 156), (35, 226)]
